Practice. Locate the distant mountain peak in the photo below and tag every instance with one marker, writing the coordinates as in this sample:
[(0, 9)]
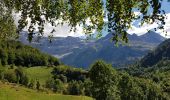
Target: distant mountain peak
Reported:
[(152, 34), (134, 34), (152, 37)]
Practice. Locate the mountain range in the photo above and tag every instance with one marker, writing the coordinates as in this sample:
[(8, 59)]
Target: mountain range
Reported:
[(80, 52)]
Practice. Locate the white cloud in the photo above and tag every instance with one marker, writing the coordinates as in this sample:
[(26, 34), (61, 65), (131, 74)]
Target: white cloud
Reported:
[(60, 30), (146, 27), (141, 30)]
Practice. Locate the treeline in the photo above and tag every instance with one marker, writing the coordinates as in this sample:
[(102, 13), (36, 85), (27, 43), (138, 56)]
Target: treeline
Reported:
[(103, 82), (109, 84), (70, 73), (67, 80), (159, 74), (15, 53)]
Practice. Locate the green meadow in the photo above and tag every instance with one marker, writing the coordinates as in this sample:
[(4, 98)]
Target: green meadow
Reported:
[(39, 73), (16, 92)]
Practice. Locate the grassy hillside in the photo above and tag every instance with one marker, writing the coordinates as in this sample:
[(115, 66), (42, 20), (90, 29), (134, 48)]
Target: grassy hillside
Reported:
[(40, 73), (15, 92)]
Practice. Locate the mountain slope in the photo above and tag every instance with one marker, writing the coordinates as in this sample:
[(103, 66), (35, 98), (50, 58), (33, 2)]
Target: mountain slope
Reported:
[(162, 52), (124, 54), (15, 53), (152, 37), (81, 53)]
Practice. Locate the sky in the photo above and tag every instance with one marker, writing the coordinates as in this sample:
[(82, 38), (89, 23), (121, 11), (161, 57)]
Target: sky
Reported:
[(64, 30)]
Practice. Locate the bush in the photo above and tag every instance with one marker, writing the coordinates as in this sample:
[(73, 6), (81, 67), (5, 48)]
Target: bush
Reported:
[(10, 76), (58, 86), (75, 88), (49, 84), (69, 73), (62, 78), (2, 72), (21, 76), (88, 87), (25, 80), (55, 85), (31, 84), (38, 85)]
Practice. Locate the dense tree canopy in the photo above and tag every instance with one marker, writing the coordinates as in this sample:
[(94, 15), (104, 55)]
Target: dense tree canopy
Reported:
[(119, 13), (111, 84)]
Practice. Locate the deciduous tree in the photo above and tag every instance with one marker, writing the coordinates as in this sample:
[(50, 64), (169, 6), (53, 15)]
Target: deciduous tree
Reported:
[(119, 13)]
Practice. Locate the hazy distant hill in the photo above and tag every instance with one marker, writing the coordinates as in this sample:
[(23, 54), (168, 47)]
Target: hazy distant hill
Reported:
[(79, 52)]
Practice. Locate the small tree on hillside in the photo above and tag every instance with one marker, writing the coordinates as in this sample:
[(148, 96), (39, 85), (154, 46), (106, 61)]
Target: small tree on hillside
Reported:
[(38, 85), (32, 84), (58, 86), (75, 88), (20, 74)]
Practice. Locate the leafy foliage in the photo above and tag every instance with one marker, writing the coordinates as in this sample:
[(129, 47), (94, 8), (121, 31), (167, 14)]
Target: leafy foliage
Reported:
[(68, 73), (109, 84), (120, 14), (7, 26), (104, 80), (75, 88)]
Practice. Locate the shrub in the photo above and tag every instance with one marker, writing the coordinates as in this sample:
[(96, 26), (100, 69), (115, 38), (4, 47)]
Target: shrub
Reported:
[(58, 86), (55, 85), (2, 72), (75, 88), (10, 76), (31, 84)]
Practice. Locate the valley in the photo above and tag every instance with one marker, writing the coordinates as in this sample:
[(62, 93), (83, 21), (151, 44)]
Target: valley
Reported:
[(77, 52), (84, 50)]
